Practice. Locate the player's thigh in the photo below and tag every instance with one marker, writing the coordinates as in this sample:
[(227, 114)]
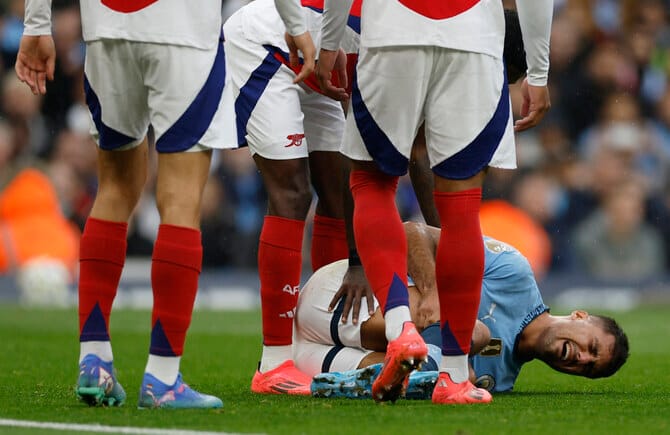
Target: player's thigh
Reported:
[(323, 121), (268, 114), (115, 94), (274, 127), (387, 106), (185, 88), (324, 126), (468, 120)]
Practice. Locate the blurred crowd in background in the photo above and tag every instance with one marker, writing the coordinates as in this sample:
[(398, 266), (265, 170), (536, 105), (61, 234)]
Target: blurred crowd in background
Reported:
[(591, 194)]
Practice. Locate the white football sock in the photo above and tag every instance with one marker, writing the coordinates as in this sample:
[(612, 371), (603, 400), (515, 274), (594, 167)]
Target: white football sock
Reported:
[(163, 368), (456, 366), (274, 356), (395, 318), (101, 349)]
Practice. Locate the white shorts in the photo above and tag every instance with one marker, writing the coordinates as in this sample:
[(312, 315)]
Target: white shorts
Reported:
[(462, 97), (321, 342), (176, 89), (276, 118)]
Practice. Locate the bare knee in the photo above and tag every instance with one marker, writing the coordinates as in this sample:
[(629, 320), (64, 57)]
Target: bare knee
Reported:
[(291, 203)]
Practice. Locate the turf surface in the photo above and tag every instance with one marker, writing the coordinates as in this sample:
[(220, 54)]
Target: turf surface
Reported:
[(38, 371)]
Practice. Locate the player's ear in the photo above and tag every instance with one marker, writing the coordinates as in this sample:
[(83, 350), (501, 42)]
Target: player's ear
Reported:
[(579, 314)]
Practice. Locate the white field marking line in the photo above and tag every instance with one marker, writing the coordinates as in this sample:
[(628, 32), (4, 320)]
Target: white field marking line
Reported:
[(71, 427)]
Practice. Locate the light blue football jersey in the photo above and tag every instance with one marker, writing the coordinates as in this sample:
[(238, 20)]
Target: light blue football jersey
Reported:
[(510, 301)]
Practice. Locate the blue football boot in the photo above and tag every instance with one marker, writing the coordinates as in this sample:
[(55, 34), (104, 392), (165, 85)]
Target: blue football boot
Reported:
[(421, 385), (155, 394), (352, 384), (97, 384)]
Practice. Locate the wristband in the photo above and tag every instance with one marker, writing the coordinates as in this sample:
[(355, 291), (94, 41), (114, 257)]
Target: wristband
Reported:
[(354, 259)]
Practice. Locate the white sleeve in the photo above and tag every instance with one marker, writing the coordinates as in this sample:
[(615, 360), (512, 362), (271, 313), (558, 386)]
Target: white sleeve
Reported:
[(535, 18), (292, 14), (37, 18), (335, 15)]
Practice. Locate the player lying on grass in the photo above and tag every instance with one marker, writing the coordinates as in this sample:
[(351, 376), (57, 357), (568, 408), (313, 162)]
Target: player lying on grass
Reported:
[(514, 326)]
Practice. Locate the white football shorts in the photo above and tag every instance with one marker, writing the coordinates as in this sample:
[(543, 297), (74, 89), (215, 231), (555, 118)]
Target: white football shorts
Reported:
[(321, 342), (177, 89), (461, 96), (276, 118)]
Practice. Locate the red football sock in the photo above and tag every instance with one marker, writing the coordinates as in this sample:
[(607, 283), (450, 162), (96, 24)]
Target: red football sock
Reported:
[(279, 265), (460, 267), (380, 236), (175, 268), (102, 254), (329, 241)]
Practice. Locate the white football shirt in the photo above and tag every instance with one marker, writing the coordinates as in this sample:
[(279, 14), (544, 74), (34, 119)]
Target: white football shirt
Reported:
[(187, 23)]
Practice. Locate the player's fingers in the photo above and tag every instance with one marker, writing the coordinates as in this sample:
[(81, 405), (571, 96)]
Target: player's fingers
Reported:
[(339, 94), (336, 299), (526, 123), (21, 71), (26, 75), (371, 300), (33, 82), (305, 71), (357, 308), (346, 308), (42, 82), (342, 78), (51, 67)]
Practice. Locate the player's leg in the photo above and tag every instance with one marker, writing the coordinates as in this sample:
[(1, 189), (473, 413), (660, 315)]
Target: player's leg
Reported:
[(329, 235), (176, 265), (422, 179), (375, 133), (277, 140), (121, 176), (122, 158), (459, 159), (324, 126), (183, 112), (269, 121), (279, 268)]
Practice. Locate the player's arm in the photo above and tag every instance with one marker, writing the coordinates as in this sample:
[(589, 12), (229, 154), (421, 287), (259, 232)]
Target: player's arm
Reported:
[(333, 26), (421, 249), (535, 17), (36, 59), (297, 37)]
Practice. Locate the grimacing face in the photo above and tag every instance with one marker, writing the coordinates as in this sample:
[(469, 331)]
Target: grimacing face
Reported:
[(577, 345)]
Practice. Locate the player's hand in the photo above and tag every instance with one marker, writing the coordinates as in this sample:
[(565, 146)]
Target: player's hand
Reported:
[(354, 287), (428, 309), (35, 62), (305, 45), (329, 62), (536, 103)]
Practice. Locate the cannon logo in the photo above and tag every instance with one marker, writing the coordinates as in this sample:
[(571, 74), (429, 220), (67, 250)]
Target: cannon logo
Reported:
[(296, 140)]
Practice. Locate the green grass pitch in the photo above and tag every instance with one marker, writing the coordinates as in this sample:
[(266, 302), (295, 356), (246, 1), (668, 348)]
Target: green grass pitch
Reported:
[(38, 369)]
